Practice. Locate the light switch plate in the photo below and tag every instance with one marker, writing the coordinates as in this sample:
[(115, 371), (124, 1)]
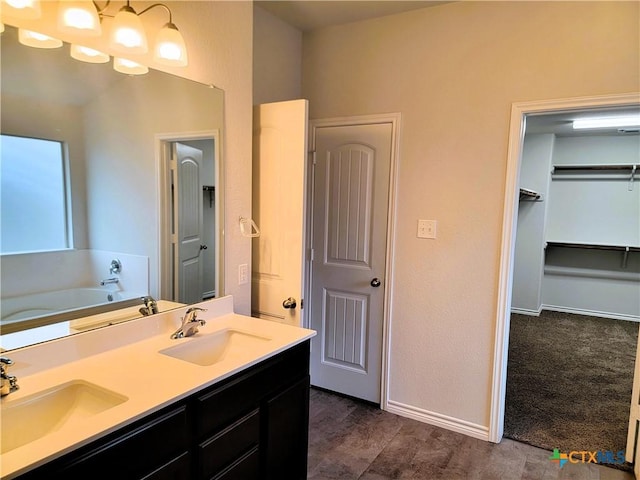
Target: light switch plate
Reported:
[(243, 274), (427, 228)]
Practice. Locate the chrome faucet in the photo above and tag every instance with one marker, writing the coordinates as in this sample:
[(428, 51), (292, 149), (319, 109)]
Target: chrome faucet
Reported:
[(9, 383), (190, 323), (107, 281), (150, 306)]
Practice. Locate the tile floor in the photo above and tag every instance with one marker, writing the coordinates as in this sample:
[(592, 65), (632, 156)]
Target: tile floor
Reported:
[(352, 440)]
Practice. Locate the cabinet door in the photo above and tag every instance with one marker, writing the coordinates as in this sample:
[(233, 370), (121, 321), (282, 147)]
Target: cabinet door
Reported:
[(287, 432)]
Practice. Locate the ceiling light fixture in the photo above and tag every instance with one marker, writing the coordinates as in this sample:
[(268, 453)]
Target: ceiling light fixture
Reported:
[(607, 122)]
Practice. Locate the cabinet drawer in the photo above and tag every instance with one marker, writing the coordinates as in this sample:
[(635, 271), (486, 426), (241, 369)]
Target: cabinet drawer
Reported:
[(136, 453), (242, 393), (246, 468), (232, 443)]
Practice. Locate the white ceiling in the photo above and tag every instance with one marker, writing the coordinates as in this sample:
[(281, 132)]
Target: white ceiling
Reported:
[(561, 124), (309, 15)]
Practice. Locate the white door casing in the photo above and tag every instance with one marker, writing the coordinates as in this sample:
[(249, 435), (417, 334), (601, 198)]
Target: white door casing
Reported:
[(519, 111), (279, 170), (351, 179), (189, 222)]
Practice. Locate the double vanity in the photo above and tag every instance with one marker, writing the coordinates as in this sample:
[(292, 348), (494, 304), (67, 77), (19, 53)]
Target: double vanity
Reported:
[(129, 402)]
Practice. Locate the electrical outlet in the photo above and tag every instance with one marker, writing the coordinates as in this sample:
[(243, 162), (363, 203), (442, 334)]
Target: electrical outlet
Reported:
[(243, 274), (427, 228)]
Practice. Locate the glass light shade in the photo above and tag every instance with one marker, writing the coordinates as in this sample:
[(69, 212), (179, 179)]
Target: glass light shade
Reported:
[(170, 48), (129, 67), (37, 40), (80, 18), (128, 34), (89, 55), (27, 9)]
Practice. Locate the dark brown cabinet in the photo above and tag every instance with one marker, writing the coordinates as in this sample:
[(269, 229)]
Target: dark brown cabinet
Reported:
[(253, 425)]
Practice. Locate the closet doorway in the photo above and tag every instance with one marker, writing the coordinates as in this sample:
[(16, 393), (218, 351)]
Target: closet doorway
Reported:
[(534, 114)]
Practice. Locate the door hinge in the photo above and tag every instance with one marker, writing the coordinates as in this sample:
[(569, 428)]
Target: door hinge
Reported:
[(301, 303), (313, 156), (311, 254)]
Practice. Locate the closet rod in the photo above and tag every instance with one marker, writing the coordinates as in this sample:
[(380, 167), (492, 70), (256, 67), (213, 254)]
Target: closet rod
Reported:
[(618, 248), (597, 166)]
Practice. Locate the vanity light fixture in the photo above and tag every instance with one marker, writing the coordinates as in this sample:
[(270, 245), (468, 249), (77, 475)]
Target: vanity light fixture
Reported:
[(89, 55), (129, 67), (37, 40), (127, 34), (607, 122), (170, 48), (26, 9), (79, 18)]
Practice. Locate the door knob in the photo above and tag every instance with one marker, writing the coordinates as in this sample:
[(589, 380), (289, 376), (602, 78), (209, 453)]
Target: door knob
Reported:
[(289, 303), (203, 247), (375, 282)]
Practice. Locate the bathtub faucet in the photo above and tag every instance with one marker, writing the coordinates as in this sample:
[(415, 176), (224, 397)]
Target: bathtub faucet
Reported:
[(150, 306), (8, 383), (108, 281)]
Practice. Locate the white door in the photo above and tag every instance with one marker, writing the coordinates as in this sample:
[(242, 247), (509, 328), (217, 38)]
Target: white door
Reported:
[(350, 208), (633, 445), (279, 159), (188, 218)]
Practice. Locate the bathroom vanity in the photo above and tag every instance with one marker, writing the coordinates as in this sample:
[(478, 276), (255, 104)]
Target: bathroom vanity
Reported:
[(230, 402)]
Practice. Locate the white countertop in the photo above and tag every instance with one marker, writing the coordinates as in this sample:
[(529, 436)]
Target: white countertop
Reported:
[(125, 359)]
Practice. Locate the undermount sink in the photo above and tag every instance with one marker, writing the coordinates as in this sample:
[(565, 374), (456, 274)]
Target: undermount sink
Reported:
[(215, 347), (42, 413)]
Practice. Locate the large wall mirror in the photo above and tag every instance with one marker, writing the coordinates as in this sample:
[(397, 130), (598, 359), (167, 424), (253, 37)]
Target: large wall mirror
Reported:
[(111, 191)]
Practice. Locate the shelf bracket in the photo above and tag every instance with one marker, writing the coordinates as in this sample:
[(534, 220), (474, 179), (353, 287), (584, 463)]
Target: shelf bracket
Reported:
[(633, 173), (625, 257)]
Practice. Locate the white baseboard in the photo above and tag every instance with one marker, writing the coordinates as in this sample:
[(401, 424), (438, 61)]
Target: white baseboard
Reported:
[(525, 311), (439, 420), (592, 313)]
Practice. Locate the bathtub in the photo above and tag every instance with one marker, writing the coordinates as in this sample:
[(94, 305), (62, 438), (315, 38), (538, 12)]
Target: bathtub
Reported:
[(21, 308)]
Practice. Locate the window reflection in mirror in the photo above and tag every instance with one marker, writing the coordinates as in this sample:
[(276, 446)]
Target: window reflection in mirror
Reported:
[(32, 192), (116, 133)]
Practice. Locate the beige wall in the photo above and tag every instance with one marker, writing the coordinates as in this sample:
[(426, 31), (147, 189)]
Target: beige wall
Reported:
[(219, 41), (277, 57), (453, 71)]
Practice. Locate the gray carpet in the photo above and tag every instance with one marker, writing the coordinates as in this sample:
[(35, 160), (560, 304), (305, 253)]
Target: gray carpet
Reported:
[(569, 381)]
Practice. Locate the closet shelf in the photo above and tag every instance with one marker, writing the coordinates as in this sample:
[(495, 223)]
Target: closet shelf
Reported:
[(618, 248), (530, 195)]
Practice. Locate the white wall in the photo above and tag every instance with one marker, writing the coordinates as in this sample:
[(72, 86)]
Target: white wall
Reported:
[(277, 59), (528, 266), (219, 40), (453, 71)]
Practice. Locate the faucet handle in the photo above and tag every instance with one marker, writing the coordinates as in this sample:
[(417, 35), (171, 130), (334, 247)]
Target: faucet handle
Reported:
[(195, 311), (4, 363)]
